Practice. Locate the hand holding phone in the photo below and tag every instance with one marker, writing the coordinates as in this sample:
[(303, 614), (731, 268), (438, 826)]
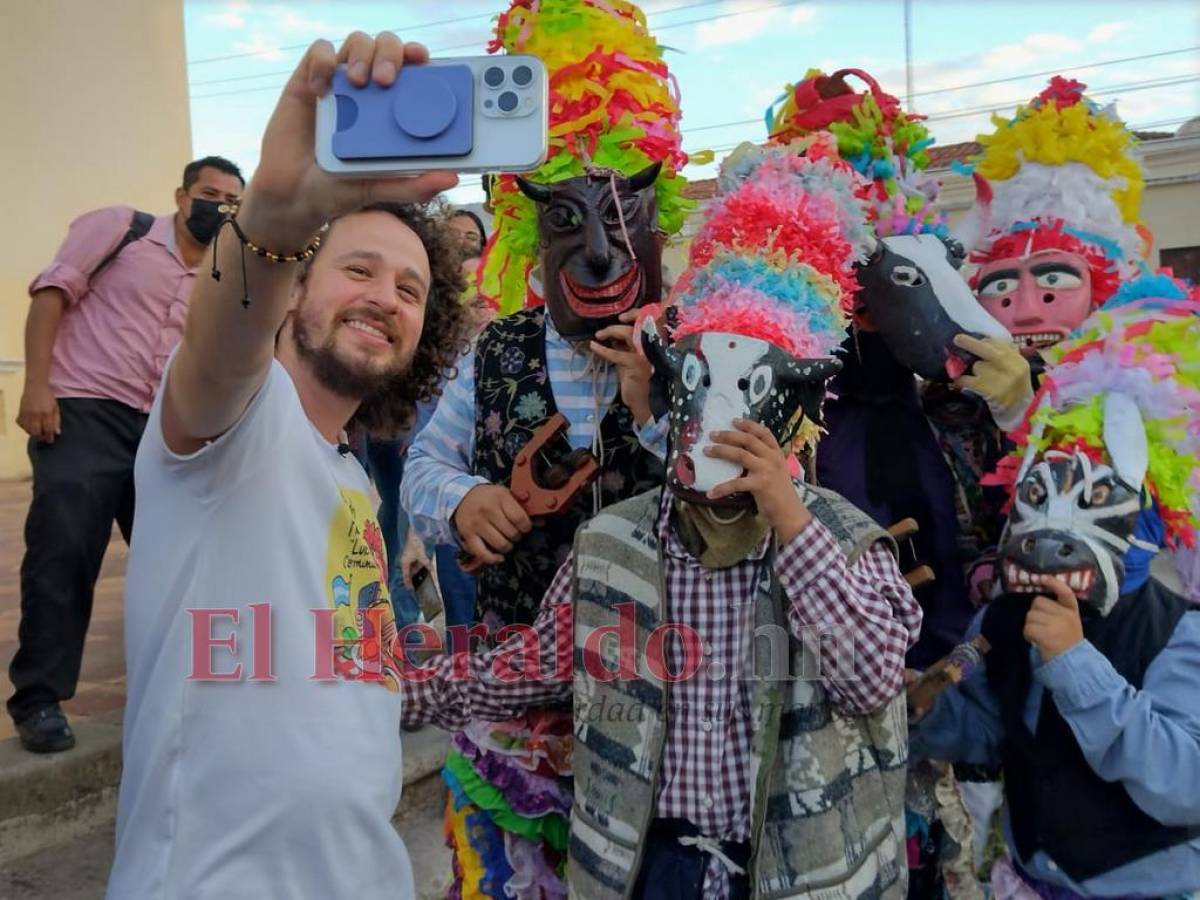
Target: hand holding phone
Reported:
[(470, 114), (290, 196)]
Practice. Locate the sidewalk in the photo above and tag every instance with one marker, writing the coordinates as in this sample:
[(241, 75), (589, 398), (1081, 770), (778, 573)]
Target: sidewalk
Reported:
[(102, 681)]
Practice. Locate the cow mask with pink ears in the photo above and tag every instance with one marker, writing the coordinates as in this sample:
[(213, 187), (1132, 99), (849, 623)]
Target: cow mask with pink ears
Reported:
[(755, 319)]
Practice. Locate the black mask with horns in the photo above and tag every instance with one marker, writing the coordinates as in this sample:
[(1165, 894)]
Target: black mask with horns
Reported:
[(600, 249)]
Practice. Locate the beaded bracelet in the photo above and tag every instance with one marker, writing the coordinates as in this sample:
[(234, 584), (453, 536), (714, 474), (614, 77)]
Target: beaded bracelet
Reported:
[(307, 253)]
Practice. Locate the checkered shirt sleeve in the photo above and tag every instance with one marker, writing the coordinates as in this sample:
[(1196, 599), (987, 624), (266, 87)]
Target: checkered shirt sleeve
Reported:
[(864, 616), (501, 684)]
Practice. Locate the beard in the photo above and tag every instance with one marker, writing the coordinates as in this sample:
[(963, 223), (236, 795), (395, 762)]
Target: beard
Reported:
[(355, 380)]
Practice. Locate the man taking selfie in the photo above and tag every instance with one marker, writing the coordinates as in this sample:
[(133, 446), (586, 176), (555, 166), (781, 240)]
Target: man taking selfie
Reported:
[(254, 767)]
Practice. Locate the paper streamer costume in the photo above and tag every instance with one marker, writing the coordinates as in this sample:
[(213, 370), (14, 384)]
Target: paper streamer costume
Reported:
[(1108, 462), (614, 114), (1056, 224), (590, 218), (762, 306), (884, 144)]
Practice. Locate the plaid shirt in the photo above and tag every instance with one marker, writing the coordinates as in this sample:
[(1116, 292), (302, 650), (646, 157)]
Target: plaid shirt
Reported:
[(705, 776)]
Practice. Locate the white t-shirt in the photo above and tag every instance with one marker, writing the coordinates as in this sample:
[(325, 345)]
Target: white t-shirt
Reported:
[(255, 789)]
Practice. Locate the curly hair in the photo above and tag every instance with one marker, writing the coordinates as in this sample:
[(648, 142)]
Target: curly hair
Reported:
[(444, 335)]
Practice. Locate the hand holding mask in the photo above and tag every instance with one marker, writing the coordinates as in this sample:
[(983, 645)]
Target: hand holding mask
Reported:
[(1000, 376), (766, 476), (1053, 625), (633, 368)]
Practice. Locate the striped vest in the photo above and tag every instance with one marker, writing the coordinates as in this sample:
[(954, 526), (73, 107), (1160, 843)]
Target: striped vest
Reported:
[(827, 804)]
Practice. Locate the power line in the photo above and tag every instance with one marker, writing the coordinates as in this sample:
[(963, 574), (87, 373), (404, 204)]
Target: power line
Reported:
[(961, 87), (1130, 87), (1140, 126), (475, 44), (406, 29), (1059, 71)]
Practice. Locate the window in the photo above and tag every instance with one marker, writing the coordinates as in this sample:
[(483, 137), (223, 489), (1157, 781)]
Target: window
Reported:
[(1184, 262)]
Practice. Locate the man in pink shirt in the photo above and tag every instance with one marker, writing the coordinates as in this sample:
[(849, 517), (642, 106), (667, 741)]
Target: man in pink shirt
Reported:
[(102, 319)]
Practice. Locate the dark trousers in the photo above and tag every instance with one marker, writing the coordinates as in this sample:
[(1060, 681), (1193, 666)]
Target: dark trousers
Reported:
[(82, 483), (671, 871)]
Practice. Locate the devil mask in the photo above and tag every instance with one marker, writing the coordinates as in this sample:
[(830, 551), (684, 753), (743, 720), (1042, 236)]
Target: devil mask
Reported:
[(712, 378), (600, 250), (915, 298)]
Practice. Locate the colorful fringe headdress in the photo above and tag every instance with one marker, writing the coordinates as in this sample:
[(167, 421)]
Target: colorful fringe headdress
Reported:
[(774, 258), (883, 143), (1064, 177), (1145, 345), (614, 106)]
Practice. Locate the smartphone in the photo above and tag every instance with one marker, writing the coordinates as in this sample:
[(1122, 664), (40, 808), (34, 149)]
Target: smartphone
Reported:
[(467, 114)]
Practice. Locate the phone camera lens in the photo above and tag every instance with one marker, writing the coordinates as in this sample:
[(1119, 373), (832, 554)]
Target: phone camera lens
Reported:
[(507, 101), (522, 75), (493, 76)]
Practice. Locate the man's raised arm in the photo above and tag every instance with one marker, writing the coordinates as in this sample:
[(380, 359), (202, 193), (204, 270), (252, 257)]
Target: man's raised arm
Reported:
[(227, 347)]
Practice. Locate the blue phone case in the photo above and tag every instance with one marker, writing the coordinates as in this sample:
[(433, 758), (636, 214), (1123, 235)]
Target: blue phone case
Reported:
[(427, 112)]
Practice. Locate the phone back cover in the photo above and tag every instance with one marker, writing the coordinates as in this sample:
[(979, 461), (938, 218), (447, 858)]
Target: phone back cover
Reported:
[(428, 112)]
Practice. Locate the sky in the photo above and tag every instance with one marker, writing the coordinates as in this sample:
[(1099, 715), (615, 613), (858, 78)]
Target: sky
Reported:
[(732, 58)]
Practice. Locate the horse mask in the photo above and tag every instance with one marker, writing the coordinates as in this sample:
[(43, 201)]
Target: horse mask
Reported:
[(600, 250), (918, 302)]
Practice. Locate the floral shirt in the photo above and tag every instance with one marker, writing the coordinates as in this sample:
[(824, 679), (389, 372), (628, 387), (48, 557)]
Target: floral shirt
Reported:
[(481, 423)]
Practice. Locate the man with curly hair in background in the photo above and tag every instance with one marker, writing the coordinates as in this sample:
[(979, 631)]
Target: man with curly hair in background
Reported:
[(259, 761)]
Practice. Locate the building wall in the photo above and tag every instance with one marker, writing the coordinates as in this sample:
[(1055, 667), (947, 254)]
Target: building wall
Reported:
[(95, 96)]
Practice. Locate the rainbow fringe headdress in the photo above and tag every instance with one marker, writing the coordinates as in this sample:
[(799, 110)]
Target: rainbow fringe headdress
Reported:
[(1064, 177), (1144, 344), (614, 106), (774, 257), (884, 144)]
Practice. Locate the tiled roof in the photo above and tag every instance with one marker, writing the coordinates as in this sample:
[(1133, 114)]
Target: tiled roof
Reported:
[(946, 155), (940, 157)]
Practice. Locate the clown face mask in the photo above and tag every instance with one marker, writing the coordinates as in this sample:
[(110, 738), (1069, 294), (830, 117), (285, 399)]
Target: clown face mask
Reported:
[(1040, 298), (1071, 518), (600, 250), (716, 378), (912, 294)]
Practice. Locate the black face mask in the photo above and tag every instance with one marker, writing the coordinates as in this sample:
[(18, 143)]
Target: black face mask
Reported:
[(206, 217), (588, 275)]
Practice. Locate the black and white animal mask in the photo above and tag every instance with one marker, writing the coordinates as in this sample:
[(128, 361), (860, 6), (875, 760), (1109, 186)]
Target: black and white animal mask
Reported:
[(1075, 518), (918, 301), (710, 379)]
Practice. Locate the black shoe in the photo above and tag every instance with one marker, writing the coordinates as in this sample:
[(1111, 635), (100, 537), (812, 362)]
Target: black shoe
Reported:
[(46, 731)]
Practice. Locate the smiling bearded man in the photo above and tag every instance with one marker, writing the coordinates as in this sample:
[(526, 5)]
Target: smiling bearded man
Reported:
[(251, 519)]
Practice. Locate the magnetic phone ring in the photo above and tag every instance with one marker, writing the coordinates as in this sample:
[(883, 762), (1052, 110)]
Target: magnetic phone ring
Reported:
[(429, 111)]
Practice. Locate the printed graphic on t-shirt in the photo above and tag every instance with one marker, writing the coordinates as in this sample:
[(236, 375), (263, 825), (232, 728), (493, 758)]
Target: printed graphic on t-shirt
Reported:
[(356, 580)]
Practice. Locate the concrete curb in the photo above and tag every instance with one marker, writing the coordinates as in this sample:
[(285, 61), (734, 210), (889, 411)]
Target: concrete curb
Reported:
[(52, 798)]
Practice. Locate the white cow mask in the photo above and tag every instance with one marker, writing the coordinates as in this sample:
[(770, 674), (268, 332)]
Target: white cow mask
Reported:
[(710, 379)]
